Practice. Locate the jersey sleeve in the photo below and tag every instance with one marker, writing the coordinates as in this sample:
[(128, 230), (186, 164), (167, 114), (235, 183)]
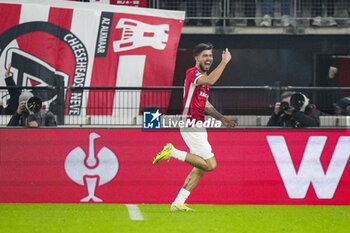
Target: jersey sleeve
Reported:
[(193, 76)]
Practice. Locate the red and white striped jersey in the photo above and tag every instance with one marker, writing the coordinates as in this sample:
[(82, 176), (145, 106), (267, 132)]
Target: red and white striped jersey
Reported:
[(195, 96)]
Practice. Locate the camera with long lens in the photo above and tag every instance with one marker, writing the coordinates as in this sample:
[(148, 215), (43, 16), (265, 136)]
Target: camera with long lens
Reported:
[(284, 106), (298, 100), (33, 104)]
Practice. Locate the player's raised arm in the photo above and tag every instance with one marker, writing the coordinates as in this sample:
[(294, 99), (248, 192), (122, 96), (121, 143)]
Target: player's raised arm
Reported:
[(216, 73)]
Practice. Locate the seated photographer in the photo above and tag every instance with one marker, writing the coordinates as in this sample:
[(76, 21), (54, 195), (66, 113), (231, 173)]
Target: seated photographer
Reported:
[(342, 107), (29, 116), (294, 111)]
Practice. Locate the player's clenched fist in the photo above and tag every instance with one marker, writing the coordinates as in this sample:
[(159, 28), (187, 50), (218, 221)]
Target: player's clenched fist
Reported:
[(226, 56)]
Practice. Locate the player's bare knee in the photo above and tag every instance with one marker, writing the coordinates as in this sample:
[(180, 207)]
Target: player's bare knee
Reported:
[(211, 164), (211, 167)]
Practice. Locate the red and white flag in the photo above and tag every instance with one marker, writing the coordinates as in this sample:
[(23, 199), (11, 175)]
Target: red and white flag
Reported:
[(65, 43)]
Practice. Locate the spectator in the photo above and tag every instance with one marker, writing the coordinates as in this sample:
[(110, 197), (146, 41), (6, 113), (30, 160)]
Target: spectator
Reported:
[(342, 107), (249, 11), (267, 9), (332, 71), (205, 7), (301, 115), (23, 117), (317, 13), (12, 102)]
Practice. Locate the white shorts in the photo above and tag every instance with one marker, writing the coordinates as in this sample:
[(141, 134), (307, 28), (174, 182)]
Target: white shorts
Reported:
[(197, 142)]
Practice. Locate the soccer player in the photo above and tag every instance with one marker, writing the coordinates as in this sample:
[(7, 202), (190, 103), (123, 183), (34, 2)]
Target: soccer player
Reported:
[(195, 106)]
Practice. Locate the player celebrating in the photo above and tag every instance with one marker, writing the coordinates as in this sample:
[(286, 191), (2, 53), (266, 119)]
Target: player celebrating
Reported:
[(195, 106)]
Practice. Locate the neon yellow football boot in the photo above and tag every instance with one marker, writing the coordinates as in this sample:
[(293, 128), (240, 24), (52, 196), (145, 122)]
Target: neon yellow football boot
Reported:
[(164, 154), (183, 207)]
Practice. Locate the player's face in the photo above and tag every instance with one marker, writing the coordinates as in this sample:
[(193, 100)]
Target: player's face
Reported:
[(204, 60)]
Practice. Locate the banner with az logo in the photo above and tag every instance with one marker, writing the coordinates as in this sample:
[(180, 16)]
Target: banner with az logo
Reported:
[(63, 43)]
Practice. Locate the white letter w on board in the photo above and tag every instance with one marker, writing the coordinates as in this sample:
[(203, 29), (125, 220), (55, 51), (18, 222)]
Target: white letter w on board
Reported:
[(310, 170)]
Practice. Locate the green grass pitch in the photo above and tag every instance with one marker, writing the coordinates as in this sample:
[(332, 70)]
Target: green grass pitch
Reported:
[(101, 218)]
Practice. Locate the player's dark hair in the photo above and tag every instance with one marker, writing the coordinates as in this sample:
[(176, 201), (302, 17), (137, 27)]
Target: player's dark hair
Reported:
[(201, 47)]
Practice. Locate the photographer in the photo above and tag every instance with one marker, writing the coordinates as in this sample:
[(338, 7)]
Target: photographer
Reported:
[(24, 117), (294, 111), (342, 107)]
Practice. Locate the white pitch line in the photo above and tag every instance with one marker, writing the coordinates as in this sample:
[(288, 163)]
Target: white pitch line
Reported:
[(134, 212)]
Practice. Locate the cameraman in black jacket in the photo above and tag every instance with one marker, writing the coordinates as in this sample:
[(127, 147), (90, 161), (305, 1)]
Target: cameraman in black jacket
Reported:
[(23, 117), (301, 115)]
